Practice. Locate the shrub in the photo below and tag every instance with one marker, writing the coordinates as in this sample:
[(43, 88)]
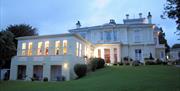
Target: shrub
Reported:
[(120, 63), (158, 61), (93, 64), (45, 79), (135, 63), (80, 70), (100, 63), (149, 62)]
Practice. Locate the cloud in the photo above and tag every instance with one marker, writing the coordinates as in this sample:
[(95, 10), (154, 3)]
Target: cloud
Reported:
[(100, 4)]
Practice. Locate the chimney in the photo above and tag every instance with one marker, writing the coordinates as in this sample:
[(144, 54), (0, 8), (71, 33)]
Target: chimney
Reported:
[(112, 21), (78, 24), (127, 16), (149, 17), (140, 15)]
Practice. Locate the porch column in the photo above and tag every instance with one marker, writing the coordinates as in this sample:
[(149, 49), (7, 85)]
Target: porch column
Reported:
[(112, 55), (46, 71), (29, 71)]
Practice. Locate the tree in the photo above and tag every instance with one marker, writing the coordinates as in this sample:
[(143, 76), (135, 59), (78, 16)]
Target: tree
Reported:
[(162, 40), (7, 48), (21, 30), (172, 11), (8, 42)]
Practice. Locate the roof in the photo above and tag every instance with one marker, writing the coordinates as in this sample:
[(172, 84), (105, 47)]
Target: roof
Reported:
[(110, 26), (176, 46), (53, 36)]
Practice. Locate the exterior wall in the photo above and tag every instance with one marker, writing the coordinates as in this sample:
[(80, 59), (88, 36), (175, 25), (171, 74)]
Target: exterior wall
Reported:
[(129, 51), (69, 59), (46, 62), (174, 54), (111, 47)]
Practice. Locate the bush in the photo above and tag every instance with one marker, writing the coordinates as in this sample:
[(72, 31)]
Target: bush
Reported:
[(120, 63), (80, 70), (149, 63), (93, 63), (158, 61), (45, 79), (100, 63), (135, 63)]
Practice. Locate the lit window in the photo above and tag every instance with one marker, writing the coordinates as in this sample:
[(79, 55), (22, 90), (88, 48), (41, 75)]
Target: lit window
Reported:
[(77, 48), (30, 49), (46, 47), (80, 50), (39, 52), (57, 48), (64, 47), (23, 48)]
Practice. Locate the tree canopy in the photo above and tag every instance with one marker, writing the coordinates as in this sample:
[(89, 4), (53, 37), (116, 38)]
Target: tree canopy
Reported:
[(172, 11), (8, 42)]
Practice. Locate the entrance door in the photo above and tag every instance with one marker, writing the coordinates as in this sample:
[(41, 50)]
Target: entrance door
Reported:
[(138, 54), (107, 55), (38, 72), (21, 74), (56, 72)]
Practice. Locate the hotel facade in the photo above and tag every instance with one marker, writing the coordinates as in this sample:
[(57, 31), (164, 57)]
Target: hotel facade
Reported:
[(54, 56)]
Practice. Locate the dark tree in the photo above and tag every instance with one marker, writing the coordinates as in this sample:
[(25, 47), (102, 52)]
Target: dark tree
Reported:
[(7, 48), (162, 40), (172, 11), (8, 42), (21, 30)]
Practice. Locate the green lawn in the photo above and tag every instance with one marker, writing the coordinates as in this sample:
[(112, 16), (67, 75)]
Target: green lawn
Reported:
[(119, 78)]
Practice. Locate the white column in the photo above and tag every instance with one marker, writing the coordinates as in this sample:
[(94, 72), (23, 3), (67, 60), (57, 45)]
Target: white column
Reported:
[(29, 71), (112, 55), (46, 71)]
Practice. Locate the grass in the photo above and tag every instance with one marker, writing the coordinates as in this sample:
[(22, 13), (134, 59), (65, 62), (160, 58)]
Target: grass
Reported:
[(115, 78)]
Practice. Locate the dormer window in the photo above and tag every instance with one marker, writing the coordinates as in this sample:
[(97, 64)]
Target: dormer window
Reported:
[(23, 49)]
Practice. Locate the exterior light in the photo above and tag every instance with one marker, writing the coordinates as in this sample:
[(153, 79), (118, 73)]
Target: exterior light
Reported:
[(65, 65)]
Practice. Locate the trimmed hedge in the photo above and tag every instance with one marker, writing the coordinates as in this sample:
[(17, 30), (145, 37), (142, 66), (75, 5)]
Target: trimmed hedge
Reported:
[(97, 63), (80, 70)]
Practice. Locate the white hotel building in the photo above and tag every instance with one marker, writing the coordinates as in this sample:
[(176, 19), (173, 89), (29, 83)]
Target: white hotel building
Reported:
[(54, 56)]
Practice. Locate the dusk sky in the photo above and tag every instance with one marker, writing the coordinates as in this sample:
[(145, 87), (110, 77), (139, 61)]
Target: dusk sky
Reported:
[(58, 16)]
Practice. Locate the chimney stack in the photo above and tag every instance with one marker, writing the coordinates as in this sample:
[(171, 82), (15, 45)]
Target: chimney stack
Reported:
[(149, 17), (78, 24), (112, 21), (140, 15), (127, 16)]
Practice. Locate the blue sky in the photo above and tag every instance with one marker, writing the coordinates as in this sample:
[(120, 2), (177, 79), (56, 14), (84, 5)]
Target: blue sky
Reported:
[(57, 16)]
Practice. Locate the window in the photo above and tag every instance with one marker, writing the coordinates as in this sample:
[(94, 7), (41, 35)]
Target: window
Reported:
[(115, 55), (162, 55), (39, 51), (64, 47), (137, 36), (115, 35), (80, 50), (101, 33), (108, 35), (138, 54), (77, 49), (99, 53), (30, 49), (23, 49), (46, 47), (57, 47)]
